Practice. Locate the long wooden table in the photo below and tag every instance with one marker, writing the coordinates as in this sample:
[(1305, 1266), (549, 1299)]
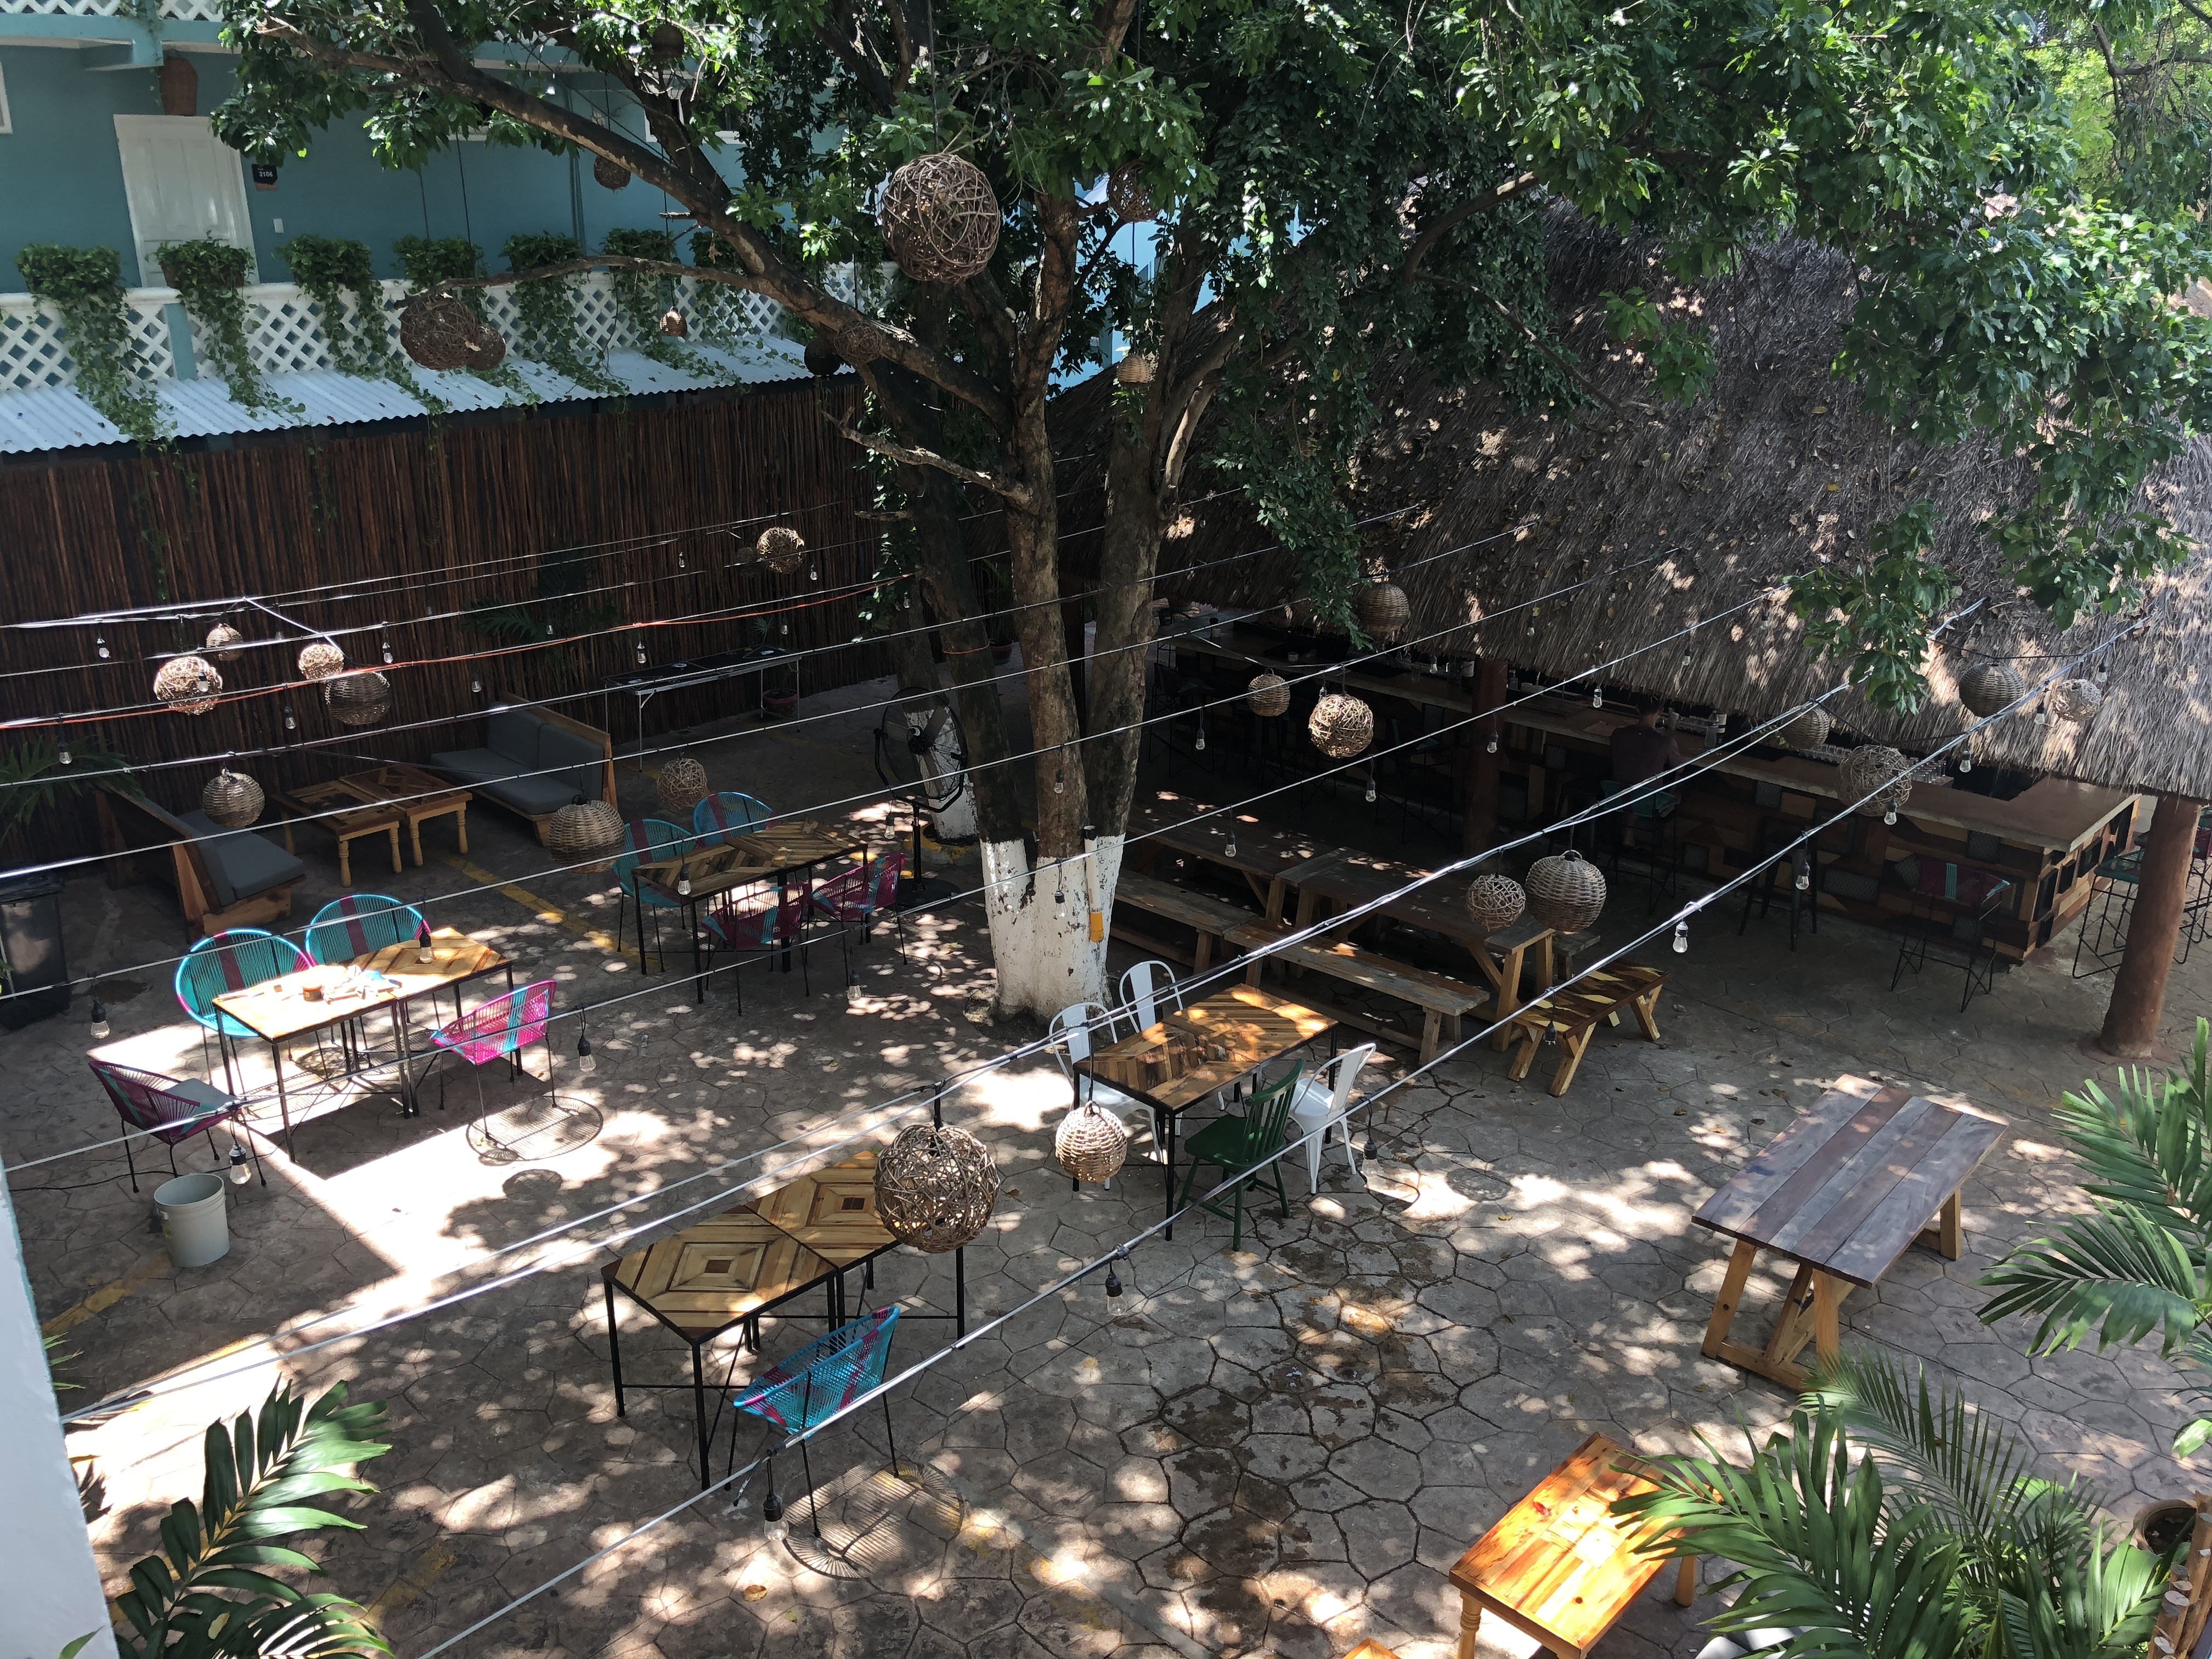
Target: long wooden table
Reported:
[(279, 1010), (775, 854), (1865, 1172), (1254, 1026), (1164, 822)]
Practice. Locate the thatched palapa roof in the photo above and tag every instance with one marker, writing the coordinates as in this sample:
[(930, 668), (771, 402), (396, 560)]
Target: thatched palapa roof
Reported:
[(1702, 508)]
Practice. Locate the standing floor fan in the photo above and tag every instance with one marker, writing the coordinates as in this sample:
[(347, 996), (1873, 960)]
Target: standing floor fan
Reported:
[(921, 752)]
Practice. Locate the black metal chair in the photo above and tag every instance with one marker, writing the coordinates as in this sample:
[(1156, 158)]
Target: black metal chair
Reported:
[(1798, 874), (1642, 835), (1949, 925)]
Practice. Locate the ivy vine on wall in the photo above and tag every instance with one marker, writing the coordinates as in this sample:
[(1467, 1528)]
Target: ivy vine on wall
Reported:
[(642, 297), (84, 286), (212, 276), (550, 334)]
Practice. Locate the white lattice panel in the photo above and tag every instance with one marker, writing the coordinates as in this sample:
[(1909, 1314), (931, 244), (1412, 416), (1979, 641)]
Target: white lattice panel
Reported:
[(33, 355), (283, 331), (196, 11), (598, 319), (150, 333)]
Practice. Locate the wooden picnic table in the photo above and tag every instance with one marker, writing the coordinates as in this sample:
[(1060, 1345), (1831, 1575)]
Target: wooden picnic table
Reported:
[(1254, 1028), (1208, 917), (1867, 1170), (1167, 822), (280, 1010), (1575, 1014)]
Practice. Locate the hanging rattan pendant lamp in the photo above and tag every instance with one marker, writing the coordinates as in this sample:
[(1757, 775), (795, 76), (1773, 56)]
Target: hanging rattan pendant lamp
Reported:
[(935, 1188), (1090, 1144), (1495, 902), (781, 548), (1566, 892), (231, 799), (1988, 687), (1342, 725), (940, 219), (358, 699), (1268, 694), (319, 659), (1383, 610), (681, 785), (1808, 730), (1877, 775), (187, 685)]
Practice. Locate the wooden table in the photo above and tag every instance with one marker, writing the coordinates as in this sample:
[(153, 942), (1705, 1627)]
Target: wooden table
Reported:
[(1171, 824), (1209, 918), (1866, 1171), (1255, 1026), (775, 854), (278, 1010), (415, 795), (731, 1269), (1576, 1013), (339, 810), (1560, 1567)]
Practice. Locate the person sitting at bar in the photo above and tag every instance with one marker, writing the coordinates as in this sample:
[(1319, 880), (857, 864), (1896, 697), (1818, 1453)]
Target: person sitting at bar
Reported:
[(1643, 750)]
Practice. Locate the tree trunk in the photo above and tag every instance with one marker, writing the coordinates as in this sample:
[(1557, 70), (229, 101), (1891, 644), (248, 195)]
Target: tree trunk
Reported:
[(2154, 927), (1482, 797)]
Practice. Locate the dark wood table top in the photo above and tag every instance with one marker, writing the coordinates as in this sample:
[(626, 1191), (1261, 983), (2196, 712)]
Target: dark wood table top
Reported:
[(1848, 1186), (713, 1274), (1263, 850), (1347, 877), (410, 788), (832, 1212), (1255, 1026), (763, 855)]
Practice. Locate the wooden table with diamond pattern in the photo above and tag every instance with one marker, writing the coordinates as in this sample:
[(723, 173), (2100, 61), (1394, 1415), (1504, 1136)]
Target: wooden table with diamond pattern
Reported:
[(775, 854)]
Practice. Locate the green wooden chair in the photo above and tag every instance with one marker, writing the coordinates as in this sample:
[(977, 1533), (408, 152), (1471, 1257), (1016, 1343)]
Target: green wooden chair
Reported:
[(1239, 1145)]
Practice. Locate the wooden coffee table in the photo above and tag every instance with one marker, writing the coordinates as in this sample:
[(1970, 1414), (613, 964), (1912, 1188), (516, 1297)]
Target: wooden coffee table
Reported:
[(415, 795), (339, 809)]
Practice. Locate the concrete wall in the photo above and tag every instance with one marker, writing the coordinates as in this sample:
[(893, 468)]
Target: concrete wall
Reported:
[(61, 178)]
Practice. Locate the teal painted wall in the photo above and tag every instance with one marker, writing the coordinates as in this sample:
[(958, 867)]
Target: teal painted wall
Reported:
[(61, 179)]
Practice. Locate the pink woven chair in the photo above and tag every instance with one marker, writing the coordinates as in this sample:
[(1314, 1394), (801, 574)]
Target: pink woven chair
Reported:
[(728, 926), (500, 1029), (170, 1108), (861, 895)]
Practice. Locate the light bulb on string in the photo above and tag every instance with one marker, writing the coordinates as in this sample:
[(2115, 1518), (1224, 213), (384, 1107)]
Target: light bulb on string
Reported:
[(388, 650), (62, 755), (640, 654), (585, 1061), (1682, 939), (683, 880), (1804, 875), (2104, 675), (100, 644), (1230, 850), (680, 565), (1597, 696), (1490, 744), (476, 684), (99, 1027), (549, 629), (813, 573), (1059, 881), (1199, 745), (291, 721), (1113, 1279), (239, 1174), (773, 1529), (1370, 789), (1889, 815)]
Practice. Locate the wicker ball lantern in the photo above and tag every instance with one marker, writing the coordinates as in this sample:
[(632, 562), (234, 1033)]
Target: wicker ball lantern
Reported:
[(319, 659), (1090, 1144), (1269, 694), (1808, 730), (675, 325), (1128, 199), (1137, 367), (1382, 610), (1565, 892), (1987, 687), (1875, 770), (609, 175), (940, 219), (822, 359), (2075, 699), (781, 548), (187, 685), (358, 699), (442, 333), (935, 1188), (1342, 725), (221, 642), (582, 829), (681, 785), (1495, 902), (231, 799)]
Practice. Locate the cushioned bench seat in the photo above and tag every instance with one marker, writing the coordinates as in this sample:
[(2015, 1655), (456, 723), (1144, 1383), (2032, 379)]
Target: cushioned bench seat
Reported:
[(533, 763), (223, 877)]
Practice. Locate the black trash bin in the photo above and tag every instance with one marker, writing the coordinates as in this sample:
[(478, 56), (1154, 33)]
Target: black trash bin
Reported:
[(31, 943)]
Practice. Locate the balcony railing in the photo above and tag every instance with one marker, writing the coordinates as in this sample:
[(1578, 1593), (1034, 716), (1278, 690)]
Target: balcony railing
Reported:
[(196, 11), (286, 335)]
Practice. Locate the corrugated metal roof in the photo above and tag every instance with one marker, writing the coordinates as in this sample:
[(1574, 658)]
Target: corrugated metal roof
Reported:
[(55, 417)]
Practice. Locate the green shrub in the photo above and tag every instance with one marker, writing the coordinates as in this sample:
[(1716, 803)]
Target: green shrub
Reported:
[(84, 285)]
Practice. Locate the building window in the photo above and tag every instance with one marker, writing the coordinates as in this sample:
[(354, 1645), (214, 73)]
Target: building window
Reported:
[(6, 125)]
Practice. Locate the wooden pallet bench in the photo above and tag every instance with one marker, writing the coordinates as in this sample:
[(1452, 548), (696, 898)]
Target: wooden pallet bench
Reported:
[(1440, 998), (1209, 918), (1577, 1012)]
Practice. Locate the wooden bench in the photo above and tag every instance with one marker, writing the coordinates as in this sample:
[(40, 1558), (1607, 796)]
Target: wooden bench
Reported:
[(1577, 1012), (1558, 1566), (1439, 997), (1210, 918)]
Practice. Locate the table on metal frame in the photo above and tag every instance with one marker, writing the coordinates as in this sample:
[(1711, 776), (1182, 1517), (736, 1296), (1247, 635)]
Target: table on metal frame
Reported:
[(804, 846), (644, 684), (809, 1232)]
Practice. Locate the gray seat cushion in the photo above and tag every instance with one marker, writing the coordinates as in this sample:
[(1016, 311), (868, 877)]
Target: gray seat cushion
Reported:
[(474, 765), (536, 796), (515, 734), (578, 759), (240, 863)]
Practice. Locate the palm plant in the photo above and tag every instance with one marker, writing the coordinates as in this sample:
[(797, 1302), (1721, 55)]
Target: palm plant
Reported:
[(1890, 1519), (2141, 1260), (32, 776), (205, 1593)]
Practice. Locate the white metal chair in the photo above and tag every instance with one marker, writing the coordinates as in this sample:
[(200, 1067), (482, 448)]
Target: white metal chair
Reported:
[(1070, 1034), (1146, 987), (1321, 1106)]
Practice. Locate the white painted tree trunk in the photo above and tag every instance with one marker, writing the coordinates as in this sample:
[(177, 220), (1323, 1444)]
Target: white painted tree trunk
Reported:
[(1046, 957)]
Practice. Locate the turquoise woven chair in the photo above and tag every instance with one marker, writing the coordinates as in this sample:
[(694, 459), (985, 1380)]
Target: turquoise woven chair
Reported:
[(231, 961), (359, 923), (646, 841), (1241, 1146), (813, 1385), (717, 818)]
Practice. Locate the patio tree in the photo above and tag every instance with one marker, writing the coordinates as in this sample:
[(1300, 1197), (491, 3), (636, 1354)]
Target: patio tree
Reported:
[(1269, 199), (1892, 1521), (2140, 1263)]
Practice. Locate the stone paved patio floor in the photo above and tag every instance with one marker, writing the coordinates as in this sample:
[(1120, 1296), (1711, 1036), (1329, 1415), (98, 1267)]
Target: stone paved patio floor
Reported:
[(1278, 1451)]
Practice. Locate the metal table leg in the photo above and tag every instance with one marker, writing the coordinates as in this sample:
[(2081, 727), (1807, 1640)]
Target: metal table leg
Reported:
[(699, 1414), (284, 1104), (614, 1348)]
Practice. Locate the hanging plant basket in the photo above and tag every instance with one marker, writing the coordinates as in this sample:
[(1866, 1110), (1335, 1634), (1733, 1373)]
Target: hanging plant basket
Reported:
[(609, 175), (822, 359), (1383, 610), (1090, 1144), (1341, 727), (1987, 687), (1808, 730), (940, 219), (444, 333), (675, 325), (1495, 902), (1269, 694), (681, 785), (935, 1188), (1566, 892), (359, 699), (320, 660), (2075, 699), (231, 799), (583, 828), (1880, 772), (1128, 199), (781, 548), (187, 685), (221, 640)]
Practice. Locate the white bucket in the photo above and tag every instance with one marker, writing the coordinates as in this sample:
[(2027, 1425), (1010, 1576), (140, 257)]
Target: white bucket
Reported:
[(193, 1225)]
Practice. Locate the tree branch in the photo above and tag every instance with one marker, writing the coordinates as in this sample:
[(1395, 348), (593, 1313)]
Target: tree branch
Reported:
[(1573, 370), (1020, 494), (1417, 249)]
